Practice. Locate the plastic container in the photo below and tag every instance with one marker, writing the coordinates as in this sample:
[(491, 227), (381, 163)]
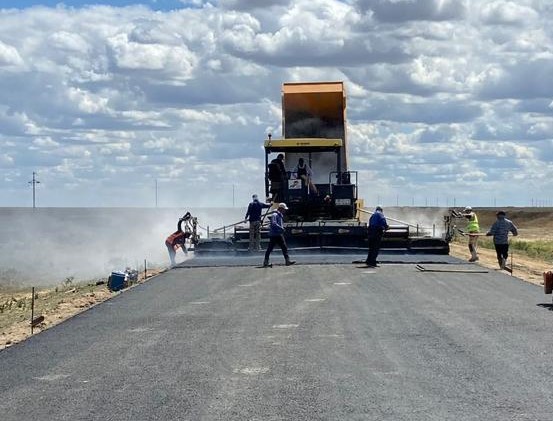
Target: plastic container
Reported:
[(117, 281)]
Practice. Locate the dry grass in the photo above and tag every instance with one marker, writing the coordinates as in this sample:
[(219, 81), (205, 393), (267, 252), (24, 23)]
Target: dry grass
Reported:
[(55, 304)]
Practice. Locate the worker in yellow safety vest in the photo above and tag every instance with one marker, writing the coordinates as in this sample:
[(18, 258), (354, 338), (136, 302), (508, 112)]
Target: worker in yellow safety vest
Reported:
[(474, 229)]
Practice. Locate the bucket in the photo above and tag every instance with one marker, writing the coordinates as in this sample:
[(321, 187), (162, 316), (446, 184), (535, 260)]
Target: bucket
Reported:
[(548, 282), (116, 281)]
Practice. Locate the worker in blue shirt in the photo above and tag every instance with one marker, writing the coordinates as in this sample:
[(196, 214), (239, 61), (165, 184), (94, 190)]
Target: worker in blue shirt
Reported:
[(276, 235), (377, 226), (500, 231), (253, 215)]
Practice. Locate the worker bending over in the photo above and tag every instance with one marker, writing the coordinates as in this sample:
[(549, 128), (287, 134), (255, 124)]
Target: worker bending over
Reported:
[(178, 238)]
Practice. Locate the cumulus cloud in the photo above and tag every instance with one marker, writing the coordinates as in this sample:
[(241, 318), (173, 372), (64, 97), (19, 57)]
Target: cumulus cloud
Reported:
[(405, 10), (443, 95), (9, 56), (245, 5), (508, 13), (525, 79)]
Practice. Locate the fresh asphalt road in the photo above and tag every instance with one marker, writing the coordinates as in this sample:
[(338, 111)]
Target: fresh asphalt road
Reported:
[(306, 342)]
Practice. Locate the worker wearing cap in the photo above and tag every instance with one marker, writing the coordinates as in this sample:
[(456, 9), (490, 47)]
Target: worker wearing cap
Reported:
[(500, 231), (474, 229), (253, 215), (377, 226), (276, 235)]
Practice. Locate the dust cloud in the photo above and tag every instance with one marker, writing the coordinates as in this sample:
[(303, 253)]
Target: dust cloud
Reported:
[(46, 246), (49, 245), (430, 220)]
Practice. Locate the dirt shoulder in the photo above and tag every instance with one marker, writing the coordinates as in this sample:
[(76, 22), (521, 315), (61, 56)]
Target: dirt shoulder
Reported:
[(534, 224), (524, 268), (56, 304)]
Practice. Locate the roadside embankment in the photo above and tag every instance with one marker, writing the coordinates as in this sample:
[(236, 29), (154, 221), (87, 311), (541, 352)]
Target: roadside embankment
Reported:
[(56, 304)]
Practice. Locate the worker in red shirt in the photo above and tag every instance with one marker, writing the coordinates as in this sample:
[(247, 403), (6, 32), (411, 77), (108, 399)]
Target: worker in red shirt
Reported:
[(178, 238)]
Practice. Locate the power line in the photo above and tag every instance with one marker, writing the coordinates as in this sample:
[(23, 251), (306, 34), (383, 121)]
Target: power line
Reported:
[(34, 182)]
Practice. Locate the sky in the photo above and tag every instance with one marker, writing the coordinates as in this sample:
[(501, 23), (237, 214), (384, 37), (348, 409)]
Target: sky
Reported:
[(450, 102)]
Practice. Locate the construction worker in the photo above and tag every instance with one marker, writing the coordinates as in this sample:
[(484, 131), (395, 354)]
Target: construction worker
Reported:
[(377, 226), (305, 173), (276, 235), (278, 177), (253, 215), (473, 231), (500, 231), (178, 238)]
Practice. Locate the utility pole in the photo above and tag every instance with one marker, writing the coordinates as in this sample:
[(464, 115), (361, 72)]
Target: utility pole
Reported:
[(34, 182), (233, 195), (156, 192)]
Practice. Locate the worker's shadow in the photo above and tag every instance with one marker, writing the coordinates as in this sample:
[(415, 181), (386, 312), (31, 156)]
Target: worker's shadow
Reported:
[(548, 306)]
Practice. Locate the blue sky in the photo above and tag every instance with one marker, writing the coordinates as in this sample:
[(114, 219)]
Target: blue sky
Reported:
[(448, 100)]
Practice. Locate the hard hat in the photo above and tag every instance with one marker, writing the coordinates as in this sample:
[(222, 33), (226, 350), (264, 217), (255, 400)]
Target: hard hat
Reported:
[(468, 209), (283, 206)]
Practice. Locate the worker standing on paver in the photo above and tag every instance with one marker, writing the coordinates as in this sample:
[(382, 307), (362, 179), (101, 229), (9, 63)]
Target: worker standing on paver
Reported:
[(500, 231), (253, 215), (377, 226), (473, 231), (276, 235), (278, 177)]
